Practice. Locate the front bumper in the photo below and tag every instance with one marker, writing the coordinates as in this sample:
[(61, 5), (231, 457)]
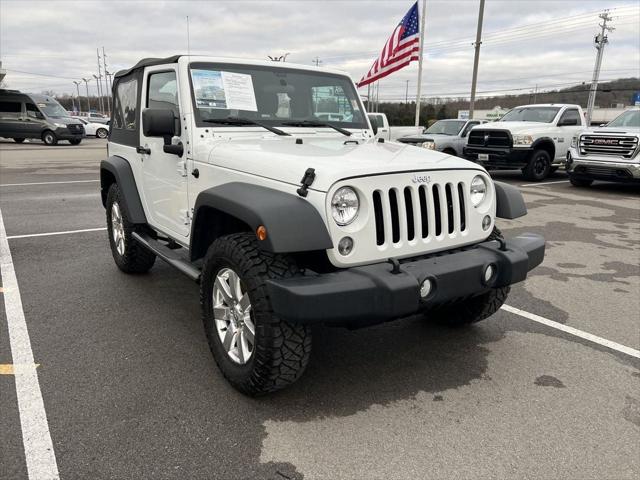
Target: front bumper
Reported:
[(606, 170), (371, 294), (63, 133), (507, 157)]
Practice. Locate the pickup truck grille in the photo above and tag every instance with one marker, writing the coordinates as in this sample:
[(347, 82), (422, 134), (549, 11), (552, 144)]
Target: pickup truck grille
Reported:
[(404, 214), (617, 146), (489, 138)]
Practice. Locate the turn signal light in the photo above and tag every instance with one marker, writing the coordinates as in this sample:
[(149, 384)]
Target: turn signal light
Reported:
[(261, 232)]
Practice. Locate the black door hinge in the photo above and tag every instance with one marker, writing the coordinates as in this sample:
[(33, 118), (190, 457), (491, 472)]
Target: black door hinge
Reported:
[(307, 180)]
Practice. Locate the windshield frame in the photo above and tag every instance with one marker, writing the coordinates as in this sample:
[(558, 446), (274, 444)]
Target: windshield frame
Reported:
[(234, 67), (445, 121), (623, 114), (557, 111)]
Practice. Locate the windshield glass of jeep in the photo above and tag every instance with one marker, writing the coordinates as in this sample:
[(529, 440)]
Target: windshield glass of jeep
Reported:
[(627, 119), (273, 96), (531, 114), (446, 127)]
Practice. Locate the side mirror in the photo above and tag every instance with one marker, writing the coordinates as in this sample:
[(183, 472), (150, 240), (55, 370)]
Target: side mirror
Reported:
[(159, 122)]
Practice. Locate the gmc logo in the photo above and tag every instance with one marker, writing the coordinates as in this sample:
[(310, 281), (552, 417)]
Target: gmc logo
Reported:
[(605, 141)]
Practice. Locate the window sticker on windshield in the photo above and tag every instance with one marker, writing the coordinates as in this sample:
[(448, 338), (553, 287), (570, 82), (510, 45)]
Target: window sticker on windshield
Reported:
[(228, 90)]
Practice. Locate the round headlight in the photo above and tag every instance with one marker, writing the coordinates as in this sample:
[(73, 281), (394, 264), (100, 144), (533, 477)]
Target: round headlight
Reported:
[(429, 145), (345, 205), (478, 190)]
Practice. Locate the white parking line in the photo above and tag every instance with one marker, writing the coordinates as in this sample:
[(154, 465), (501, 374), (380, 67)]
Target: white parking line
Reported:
[(47, 234), (574, 331), (542, 184), (46, 183), (38, 448)]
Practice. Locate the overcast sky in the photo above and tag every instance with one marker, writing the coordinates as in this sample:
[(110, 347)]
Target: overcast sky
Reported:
[(525, 43)]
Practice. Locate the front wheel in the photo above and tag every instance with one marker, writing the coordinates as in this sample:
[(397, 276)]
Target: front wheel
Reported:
[(539, 166), (257, 351), (18, 140), (580, 182), (49, 138), (102, 133)]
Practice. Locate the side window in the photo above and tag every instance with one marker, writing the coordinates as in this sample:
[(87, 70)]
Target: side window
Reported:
[(163, 91), (10, 110), (125, 115), (33, 112), (570, 117)]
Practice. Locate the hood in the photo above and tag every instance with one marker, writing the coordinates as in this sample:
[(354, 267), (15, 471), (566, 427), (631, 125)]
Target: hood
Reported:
[(435, 137), (282, 159), (65, 120), (612, 131), (516, 127)]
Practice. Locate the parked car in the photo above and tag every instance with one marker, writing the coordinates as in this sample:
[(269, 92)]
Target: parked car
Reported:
[(25, 116), (533, 138), (285, 221), (447, 136), (383, 130), (610, 153), (94, 117), (93, 129)]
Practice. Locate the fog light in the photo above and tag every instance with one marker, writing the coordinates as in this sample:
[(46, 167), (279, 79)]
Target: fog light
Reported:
[(488, 273), (425, 288), (486, 222), (345, 245)]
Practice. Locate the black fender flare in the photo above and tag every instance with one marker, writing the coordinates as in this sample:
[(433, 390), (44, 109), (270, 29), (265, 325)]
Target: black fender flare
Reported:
[(117, 170), (509, 201), (292, 223), (537, 142)]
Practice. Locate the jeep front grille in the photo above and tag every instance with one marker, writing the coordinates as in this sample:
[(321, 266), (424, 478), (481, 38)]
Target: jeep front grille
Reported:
[(489, 138), (618, 146), (404, 214)]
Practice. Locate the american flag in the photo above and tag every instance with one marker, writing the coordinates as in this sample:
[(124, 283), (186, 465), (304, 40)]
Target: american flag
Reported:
[(401, 49)]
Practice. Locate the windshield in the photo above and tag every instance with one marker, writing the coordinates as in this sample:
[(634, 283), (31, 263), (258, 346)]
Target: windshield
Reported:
[(446, 127), (52, 109), (531, 114), (630, 119), (273, 96)]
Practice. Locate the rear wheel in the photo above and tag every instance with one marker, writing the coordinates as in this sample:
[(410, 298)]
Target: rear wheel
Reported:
[(49, 138), (130, 256), (539, 166), (102, 133), (18, 140), (257, 351), (580, 182)]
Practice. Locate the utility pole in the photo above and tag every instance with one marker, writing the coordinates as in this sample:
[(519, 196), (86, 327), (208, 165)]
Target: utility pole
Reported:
[(476, 58), (106, 80), (78, 82), (406, 94), (86, 84), (600, 41), (317, 61), (419, 91), (99, 93)]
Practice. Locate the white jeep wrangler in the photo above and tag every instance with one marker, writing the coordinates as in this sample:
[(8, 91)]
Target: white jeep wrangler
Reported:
[(534, 138), (223, 169)]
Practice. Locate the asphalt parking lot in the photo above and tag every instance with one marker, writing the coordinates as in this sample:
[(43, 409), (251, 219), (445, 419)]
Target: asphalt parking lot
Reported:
[(131, 390)]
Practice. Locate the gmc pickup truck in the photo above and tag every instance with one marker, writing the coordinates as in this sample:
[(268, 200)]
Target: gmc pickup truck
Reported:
[(533, 138)]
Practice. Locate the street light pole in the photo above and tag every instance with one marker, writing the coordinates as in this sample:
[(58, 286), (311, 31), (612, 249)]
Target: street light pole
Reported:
[(86, 84), (100, 106), (77, 82)]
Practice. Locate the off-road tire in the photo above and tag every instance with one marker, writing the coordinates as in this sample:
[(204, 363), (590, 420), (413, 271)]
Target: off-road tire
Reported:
[(538, 167), (18, 140), (474, 309), (75, 141), (49, 138), (580, 182), (136, 258), (281, 350), (102, 133)]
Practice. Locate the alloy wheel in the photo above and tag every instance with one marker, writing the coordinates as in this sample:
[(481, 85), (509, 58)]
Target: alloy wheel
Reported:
[(117, 228)]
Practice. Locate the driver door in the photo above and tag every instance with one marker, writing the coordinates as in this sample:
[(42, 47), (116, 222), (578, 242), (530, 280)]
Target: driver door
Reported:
[(164, 174), (568, 125)]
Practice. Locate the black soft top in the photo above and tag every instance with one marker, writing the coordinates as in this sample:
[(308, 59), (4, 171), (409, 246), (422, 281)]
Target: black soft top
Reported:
[(147, 62)]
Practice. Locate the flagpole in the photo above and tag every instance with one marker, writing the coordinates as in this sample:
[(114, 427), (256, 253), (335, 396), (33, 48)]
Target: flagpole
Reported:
[(424, 14)]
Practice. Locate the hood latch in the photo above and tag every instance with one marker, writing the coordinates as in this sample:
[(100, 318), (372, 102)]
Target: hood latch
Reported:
[(307, 181)]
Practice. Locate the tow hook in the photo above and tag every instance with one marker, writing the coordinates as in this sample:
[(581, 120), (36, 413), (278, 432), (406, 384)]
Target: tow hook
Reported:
[(307, 181), (395, 266)]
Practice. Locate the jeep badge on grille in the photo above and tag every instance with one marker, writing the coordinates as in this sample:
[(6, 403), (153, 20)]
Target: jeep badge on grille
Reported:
[(421, 178)]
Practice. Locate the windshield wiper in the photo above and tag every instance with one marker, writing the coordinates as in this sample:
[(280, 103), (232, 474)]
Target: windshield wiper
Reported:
[(312, 123), (245, 121)]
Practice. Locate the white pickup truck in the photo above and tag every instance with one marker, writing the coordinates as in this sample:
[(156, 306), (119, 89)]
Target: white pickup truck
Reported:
[(380, 125), (534, 138)]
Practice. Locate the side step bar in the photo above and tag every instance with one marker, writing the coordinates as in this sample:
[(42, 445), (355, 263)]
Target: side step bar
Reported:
[(168, 255)]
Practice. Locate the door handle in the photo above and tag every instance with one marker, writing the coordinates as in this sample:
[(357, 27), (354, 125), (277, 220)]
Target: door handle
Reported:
[(143, 150)]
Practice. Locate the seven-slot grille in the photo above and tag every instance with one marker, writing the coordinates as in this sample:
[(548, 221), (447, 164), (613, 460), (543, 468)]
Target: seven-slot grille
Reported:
[(412, 212), (619, 146), (489, 138)]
